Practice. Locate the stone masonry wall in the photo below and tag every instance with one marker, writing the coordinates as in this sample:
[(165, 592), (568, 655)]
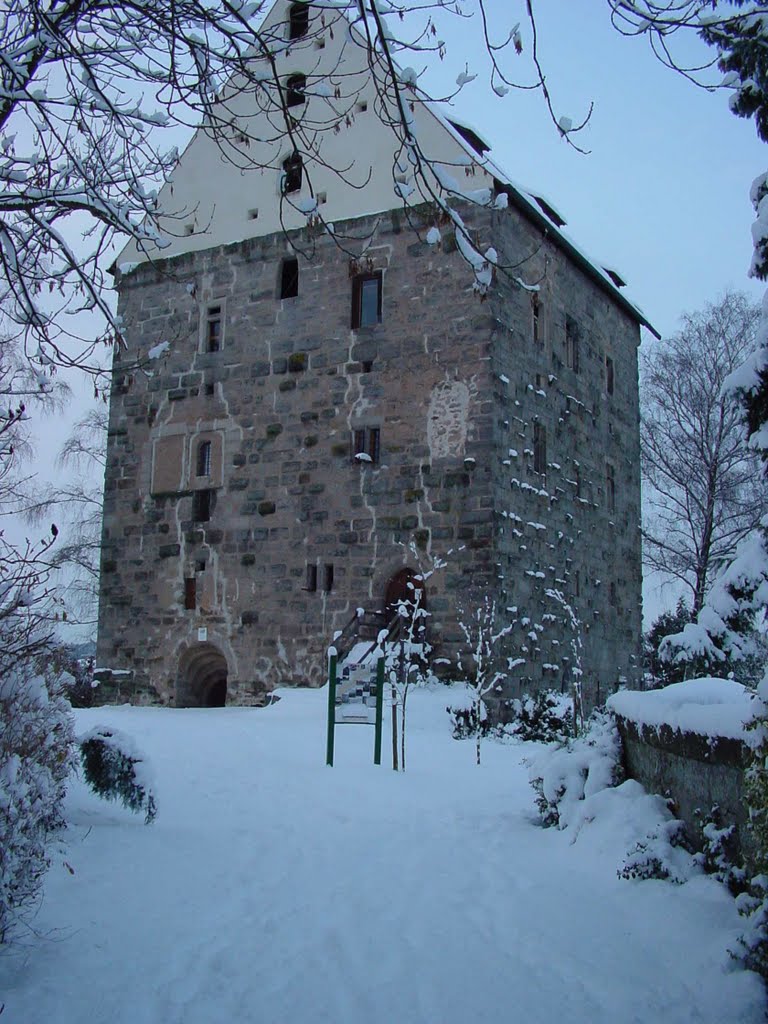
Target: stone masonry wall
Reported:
[(451, 383)]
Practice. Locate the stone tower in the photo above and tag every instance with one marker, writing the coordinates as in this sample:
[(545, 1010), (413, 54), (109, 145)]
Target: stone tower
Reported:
[(297, 433)]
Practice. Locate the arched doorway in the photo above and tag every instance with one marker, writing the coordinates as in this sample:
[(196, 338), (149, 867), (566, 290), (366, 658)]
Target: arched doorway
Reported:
[(405, 586), (202, 679)]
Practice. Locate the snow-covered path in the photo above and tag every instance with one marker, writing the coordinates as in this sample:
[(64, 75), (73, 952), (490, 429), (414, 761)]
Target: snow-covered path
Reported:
[(273, 889)]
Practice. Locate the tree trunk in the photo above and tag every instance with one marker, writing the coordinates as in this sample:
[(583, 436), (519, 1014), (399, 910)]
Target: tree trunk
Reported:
[(394, 729)]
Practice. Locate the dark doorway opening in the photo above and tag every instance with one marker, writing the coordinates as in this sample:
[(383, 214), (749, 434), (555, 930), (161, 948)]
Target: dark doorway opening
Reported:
[(202, 678)]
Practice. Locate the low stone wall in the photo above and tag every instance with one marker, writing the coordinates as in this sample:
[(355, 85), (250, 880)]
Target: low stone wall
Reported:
[(696, 771)]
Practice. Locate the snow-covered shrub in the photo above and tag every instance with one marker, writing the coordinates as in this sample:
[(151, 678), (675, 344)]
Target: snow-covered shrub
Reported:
[(563, 777), (753, 942), (36, 756), (465, 722), (719, 856), (116, 770), (546, 717), (663, 854)]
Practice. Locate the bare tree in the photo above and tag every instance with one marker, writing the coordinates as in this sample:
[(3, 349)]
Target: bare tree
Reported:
[(77, 506), (482, 632), (703, 490)]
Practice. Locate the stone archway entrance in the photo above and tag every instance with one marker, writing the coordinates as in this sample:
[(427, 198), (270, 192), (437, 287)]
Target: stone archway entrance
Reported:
[(202, 678)]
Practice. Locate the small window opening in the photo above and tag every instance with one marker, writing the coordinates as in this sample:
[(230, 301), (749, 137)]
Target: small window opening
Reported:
[(295, 88), (610, 486), (609, 375), (209, 389), (190, 593), (613, 595), (536, 314), (328, 579), (539, 448), (292, 173), (572, 344), (366, 300), (213, 326), (577, 478), (298, 21), (310, 581), (367, 365), (289, 278), (204, 459), (253, 214), (200, 565), (202, 506), (366, 441)]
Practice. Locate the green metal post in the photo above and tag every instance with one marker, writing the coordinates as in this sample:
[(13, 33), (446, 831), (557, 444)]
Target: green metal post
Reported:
[(331, 707), (379, 710)]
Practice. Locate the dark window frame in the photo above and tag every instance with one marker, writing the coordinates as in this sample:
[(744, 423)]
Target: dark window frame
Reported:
[(202, 505), (610, 375), (328, 577), (203, 458), (572, 354), (298, 21), (295, 90), (214, 327), (289, 278), (359, 282), (310, 578), (366, 441), (190, 593), (293, 174), (536, 318)]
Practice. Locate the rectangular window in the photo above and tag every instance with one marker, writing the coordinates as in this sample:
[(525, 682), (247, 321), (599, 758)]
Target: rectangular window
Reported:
[(213, 329), (536, 312), (609, 375), (572, 344), (190, 593), (577, 478), (366, 444), (539, 448), (328, 579), (610, 486), (202, 506), (366, 300), (310, 580), (289, 278)]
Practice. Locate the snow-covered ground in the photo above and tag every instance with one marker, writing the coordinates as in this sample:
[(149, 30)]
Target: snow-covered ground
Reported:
[(274, 889)]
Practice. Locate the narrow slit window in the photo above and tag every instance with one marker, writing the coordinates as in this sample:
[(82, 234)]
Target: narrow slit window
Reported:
[(298, 21), (213, 329), (289, 278), (292, 173), (295, 90), (609, 375), (572, 344), (366, 300), (536, 317), (539, 448), (310, 580), (328, 578), (204, 459), (190, 593), (610, 486), (202, 506)]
